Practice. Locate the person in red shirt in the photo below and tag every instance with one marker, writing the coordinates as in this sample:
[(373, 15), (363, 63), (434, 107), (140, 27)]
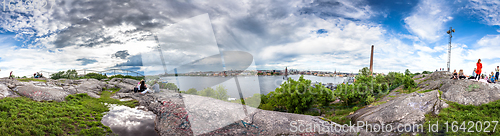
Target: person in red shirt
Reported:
[(478, 69)]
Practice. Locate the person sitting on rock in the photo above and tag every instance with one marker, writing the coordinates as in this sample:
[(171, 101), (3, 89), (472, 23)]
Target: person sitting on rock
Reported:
[(492, 78), (455, 74), (461, 74), (143, 86), (473, 74)]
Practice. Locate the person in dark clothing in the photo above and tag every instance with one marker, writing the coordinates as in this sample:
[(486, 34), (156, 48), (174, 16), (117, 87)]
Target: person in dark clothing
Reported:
[(10, 76), (461, 74), (143, 86), (455, 74)]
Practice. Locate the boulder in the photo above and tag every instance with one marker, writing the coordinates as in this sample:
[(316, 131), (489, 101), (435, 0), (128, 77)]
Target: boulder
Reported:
[(41, 92), (124, 88), (130, 81), (406, 109), (6, 92), (89, 85)]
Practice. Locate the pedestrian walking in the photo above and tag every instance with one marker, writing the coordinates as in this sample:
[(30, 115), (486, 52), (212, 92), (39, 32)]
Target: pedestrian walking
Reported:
[(479, 66)]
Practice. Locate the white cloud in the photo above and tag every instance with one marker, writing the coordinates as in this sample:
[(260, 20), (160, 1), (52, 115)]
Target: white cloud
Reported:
[(428, 19), (487, 10)]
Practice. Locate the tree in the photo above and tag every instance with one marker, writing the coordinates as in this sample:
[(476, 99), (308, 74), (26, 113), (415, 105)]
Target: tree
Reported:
[(298, 96), (221, 93), (192, 91), (208, 92), (95, 76), (407, 72)]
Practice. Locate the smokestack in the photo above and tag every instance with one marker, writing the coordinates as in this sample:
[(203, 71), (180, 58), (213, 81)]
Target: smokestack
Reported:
[(371, 63)]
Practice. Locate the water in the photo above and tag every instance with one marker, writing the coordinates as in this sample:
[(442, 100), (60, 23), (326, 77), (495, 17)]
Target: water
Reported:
[(248, 84), (126, 121)]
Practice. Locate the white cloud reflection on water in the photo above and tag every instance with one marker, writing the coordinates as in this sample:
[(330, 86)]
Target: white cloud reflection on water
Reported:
[(126, 121)]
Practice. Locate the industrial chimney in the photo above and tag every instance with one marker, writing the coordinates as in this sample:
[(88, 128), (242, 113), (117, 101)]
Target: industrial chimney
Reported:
[(371, 63)]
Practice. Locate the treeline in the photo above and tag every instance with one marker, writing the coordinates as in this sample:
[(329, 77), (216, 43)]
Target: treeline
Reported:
[(72, 74), (298, 96), (220, 92)]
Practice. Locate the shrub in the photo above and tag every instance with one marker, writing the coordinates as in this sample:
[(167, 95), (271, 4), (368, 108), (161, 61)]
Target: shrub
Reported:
[(127, 76), (95, 76), (208, 92), (221, 93), (409, 82), (192, 91), (298, 96)]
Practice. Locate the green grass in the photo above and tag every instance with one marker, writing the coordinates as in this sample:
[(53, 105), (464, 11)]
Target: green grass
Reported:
[(340, 113), (79, 114), (392, 96), (378, 103), (425, 91), (31, 79), (465, 113), (408, 90)]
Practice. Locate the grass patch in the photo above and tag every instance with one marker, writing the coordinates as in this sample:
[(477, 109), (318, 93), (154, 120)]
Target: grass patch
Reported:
[(425, 91), (408, 90), (378, 103), (472, 87), (340, 113), (31, 79), (465, 113), (79, 114), (392, 96)]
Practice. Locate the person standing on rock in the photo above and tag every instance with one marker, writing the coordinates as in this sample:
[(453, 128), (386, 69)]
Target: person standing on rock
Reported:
[(478, 69), (10, 76), (497, 73)]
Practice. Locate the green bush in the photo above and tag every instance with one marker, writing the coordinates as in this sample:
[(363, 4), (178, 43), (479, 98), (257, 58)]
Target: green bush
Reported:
[(207, 92), (95, 76), (192, 91), (127, 76), (298, 96), (69, 74), (409, 82)]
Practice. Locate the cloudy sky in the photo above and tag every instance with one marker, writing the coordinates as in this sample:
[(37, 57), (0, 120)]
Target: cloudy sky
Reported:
[(328, 35)]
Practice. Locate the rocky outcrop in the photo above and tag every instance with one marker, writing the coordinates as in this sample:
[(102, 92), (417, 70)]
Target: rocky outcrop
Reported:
[(411, 108), (406, 109), (55, 90), (126, 85), (40, 91), (6, 92), (462, 91)]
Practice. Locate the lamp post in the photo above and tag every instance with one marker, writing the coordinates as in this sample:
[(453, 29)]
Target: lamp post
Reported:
[(449, 47)]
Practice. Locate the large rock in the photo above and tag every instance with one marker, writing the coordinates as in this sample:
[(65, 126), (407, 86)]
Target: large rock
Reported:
[(40, 91), (90, 85), (6, 92), (463, 91), (406, 109)]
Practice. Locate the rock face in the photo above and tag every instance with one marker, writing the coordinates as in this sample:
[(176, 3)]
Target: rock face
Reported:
[(6, 92), (54, 90), (126, 85), (406, 109), (463, 91), (411, 108), (40, 91)]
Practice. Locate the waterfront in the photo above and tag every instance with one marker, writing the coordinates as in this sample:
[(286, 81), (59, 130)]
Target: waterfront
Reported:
[(249, 84)]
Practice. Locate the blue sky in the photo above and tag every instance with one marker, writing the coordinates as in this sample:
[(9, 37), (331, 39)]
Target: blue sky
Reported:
[(322, 35)]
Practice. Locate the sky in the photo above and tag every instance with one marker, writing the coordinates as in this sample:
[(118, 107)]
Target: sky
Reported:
[(324, 35)]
